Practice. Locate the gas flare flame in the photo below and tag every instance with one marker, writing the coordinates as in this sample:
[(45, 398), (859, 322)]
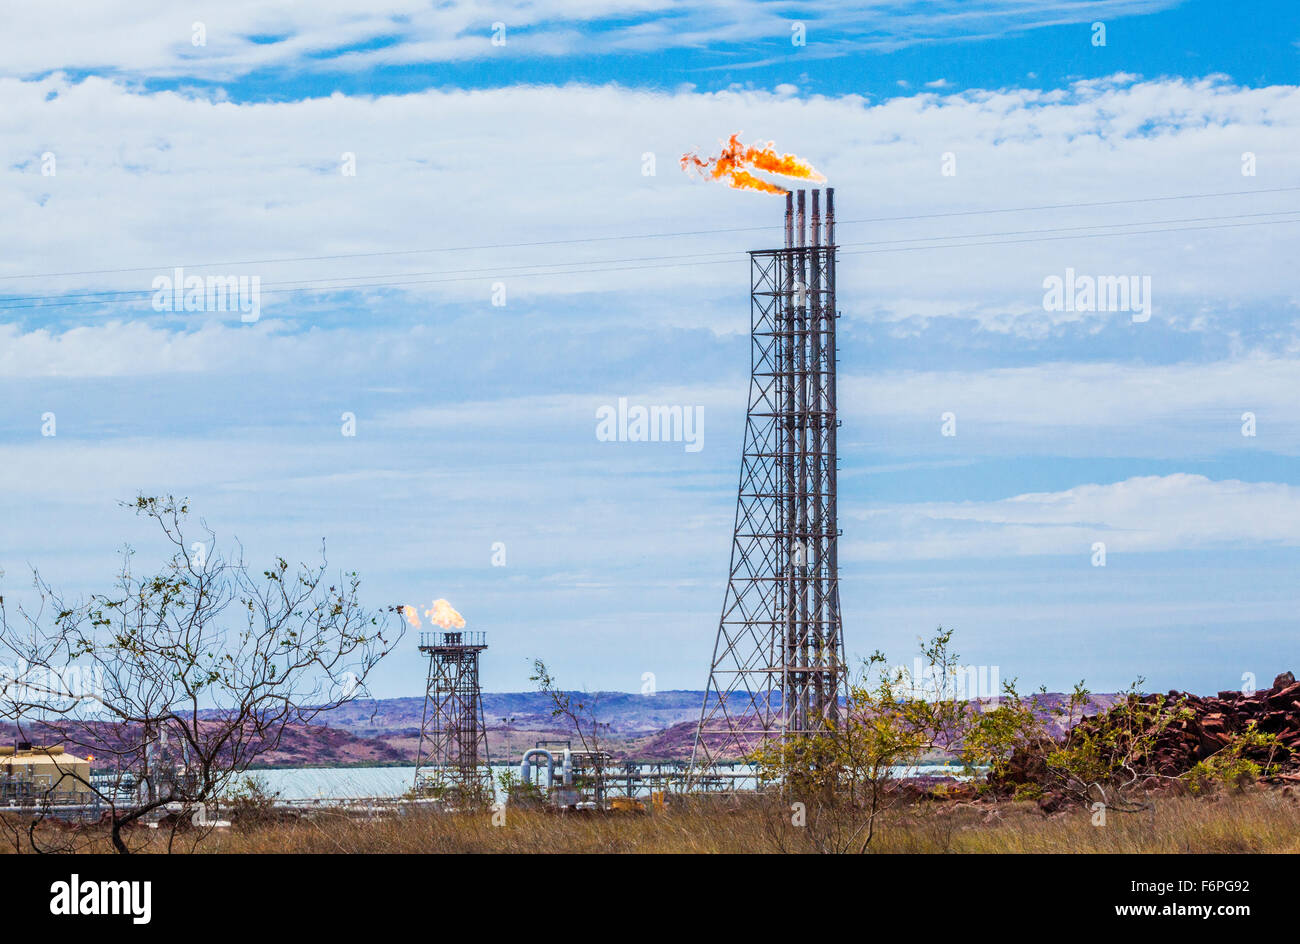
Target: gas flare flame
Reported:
[(736, 160), (441, 613)]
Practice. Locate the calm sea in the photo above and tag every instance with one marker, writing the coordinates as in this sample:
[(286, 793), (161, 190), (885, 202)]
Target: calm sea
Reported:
[(344, 783)]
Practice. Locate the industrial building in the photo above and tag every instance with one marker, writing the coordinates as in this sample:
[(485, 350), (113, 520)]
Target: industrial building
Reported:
[(28, 772)]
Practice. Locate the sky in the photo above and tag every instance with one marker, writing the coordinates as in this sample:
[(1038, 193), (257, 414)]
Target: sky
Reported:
[(471, 232)]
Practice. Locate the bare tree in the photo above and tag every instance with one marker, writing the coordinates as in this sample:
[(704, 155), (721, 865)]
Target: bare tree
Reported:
[(580, 714), (177, 681)]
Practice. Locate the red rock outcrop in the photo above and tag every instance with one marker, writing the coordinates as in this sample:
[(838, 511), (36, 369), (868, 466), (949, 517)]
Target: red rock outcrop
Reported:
[(1200, 728)]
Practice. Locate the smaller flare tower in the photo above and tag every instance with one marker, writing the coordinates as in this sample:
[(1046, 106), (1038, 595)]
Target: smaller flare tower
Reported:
[(453, 763)]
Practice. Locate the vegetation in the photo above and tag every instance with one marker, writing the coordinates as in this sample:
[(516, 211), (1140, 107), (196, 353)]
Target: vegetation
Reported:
[(848, 789), (841, 785), (1231, 768), (176, 681), (838, 784), (251, 802), (1250, 822), (579, 714)]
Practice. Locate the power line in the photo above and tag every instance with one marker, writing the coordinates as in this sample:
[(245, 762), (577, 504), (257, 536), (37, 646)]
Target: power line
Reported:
[(1040, 236), (1070, 206), (1009, 242), (1067, 229), (354, 278), (560, 267), (594, 239)]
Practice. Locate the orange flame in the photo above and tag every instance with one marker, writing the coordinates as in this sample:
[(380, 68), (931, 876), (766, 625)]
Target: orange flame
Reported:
[(733, 165), (441, 613)]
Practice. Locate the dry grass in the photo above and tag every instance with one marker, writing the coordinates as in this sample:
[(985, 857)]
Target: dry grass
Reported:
[(1253, 822)]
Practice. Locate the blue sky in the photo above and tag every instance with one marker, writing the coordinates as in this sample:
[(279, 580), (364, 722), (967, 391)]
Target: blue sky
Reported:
[(475, 422)]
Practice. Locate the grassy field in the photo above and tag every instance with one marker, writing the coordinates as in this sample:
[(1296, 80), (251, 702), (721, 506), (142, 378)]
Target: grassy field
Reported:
[(1247, 823)]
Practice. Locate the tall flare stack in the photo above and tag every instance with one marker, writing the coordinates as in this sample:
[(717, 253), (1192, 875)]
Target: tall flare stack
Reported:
[(778, 668)]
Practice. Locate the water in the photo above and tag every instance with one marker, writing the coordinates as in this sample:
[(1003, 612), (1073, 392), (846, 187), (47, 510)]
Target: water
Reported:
[(337, 783), (345, 783)]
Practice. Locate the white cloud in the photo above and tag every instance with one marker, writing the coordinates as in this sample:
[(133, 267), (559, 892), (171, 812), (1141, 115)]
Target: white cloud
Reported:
[(443, 467), (451, 168), (157, 39), (1150, 513), (1171, 411), (1074, 409), (140, 349)]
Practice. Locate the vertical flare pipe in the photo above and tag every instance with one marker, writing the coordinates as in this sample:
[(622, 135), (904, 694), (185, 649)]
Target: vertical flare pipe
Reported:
[(817, 461), (799, 495)]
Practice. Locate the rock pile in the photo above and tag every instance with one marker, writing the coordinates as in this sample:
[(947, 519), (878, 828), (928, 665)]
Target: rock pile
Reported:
[(1208, 725), (1200, 728)]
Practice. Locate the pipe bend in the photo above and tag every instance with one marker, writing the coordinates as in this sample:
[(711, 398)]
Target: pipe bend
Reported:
[(525, 771)]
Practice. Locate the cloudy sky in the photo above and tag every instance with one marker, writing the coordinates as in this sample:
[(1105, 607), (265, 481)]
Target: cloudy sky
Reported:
[(471, 232)]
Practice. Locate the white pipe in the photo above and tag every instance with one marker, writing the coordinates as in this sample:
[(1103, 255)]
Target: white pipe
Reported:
[(525, 768)]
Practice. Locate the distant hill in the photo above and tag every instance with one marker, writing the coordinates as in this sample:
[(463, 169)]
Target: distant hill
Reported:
[(648, 727), (387, 730), (516, 720), (626, 714)]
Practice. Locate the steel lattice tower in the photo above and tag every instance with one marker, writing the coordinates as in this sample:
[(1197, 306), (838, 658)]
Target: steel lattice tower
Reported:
[(778, 666), (453, 760)]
